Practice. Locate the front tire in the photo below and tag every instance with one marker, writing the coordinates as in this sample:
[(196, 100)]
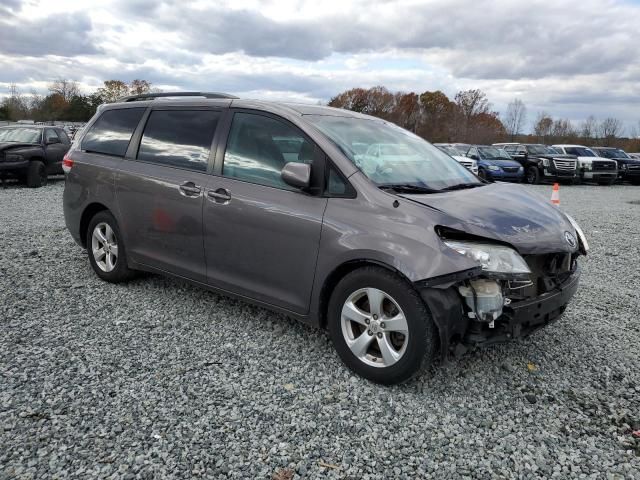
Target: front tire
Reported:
[(36, 174), (533, 175), (380, 326), (107, 253)]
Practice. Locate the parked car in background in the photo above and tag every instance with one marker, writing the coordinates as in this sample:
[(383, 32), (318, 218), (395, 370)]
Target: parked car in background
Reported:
[(469, 164), (31, 152), (495, 164), (397, 258), (542, 163), (592, 167), (634, 155), (628, 168)]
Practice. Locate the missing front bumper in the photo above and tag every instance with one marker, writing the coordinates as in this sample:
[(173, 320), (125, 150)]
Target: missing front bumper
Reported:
[(458, 333)]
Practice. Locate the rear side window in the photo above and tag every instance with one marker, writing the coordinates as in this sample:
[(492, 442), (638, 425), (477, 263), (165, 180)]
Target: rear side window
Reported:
[(260, 146), (64, 138), (112, 132), (50, 136), (179, 138)]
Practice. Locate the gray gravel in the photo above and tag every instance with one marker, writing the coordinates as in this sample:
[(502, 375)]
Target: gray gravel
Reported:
[(159, 378)]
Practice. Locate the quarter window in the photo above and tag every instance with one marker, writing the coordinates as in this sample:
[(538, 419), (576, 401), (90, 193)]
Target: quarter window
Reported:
[(260, 146), (50, 136), (112, 132), (179, 138)]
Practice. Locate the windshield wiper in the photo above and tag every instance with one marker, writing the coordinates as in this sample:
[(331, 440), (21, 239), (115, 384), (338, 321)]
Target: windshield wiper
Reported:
[(461, 186), (407, 188)]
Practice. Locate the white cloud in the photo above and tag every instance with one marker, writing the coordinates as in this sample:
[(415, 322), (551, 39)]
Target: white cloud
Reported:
[(570, 58)]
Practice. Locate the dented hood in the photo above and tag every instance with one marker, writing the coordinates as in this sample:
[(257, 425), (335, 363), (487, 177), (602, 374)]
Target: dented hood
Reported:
[(506, 213)]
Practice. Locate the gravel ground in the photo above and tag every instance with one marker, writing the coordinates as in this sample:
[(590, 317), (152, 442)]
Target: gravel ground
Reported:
[(157, 378)]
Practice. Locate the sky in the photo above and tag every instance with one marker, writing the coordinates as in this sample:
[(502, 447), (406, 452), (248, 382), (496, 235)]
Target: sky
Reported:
[(569, 58)]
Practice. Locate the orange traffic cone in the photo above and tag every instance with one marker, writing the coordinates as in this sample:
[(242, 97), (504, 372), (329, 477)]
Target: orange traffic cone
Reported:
[(555, 194)]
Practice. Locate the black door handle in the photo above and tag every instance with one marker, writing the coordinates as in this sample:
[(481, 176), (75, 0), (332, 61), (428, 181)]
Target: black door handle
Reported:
[(190, 189), (220, 195)]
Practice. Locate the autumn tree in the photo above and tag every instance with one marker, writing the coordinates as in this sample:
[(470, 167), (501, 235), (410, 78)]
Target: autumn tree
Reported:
[(589, 130), (542, 127), (563, 131), (515, 118), (354, 100), (113, 90), (436, 116), (470, 105), (609, 129), (67, 89), (139, 87), (407, 110)]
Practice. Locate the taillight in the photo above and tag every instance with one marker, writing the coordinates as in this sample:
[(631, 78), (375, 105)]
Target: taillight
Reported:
[(67, 163)]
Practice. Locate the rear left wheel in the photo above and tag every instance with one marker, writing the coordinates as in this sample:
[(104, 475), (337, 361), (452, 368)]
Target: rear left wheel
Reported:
[(107, 253), (380, 326)]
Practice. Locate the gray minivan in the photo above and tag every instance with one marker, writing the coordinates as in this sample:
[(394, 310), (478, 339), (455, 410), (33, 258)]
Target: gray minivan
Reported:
[(399, 251)]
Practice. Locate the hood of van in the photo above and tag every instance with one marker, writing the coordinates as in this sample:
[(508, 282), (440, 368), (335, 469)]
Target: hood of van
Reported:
[(506, 213)]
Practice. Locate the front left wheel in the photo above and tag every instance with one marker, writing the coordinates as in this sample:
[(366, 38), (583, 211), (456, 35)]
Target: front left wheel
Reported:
[(380, 326), (107, 253), (36, 174)]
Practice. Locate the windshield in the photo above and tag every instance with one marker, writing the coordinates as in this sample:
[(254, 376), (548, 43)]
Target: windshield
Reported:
[(449, 149), (540, 150), (580, 151), (493, 153), (20, 135), (613, 153), (394, 156)]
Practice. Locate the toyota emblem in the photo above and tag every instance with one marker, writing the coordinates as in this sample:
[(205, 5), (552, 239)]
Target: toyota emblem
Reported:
[(571, 239)]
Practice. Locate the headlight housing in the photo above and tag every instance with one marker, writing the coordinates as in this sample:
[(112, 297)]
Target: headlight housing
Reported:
[(13, 157), (493, 258), (545, 162), (521, 169), (584, 245), (493, 167)]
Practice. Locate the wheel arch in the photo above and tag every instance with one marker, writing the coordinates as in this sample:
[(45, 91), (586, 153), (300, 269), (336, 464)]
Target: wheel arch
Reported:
[(89, 212), (339, 273)]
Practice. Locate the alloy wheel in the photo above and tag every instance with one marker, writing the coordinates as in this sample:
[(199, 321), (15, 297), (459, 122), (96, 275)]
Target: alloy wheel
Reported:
[(104, 247), (374, 327)]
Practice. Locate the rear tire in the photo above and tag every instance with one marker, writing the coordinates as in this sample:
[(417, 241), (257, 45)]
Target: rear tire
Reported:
[(533, 175), (106, 250), (36, 174), (387, 356)]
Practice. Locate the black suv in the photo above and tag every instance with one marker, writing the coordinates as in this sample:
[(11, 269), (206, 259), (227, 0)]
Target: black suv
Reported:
[(628, 168), (32, 152), (541, 162)]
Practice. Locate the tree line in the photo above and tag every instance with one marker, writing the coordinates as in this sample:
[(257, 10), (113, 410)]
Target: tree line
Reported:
[(65, 101), (469, 118)]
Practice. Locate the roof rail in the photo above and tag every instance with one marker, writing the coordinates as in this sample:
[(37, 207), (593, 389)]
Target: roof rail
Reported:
[(151, 96)]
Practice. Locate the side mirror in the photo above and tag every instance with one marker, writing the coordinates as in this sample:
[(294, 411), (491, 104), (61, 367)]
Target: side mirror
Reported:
[(296, 174), (474, 157), (51, 141)]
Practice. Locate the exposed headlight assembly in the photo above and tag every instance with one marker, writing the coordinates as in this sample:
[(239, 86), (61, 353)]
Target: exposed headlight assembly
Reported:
[(493, 167), (545, 162), (493, 258), (584, 245)]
